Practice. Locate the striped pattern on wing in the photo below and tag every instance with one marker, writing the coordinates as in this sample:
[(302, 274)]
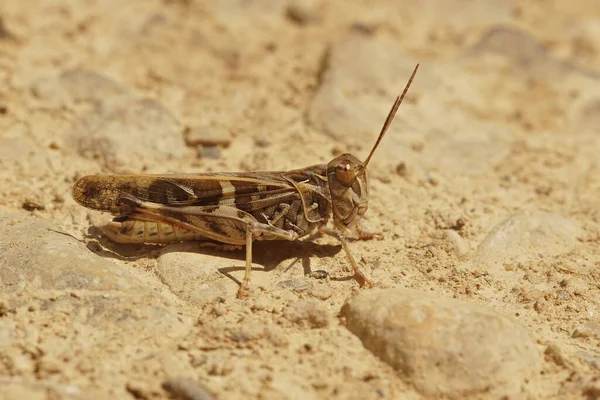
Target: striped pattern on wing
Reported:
[(246, 191)]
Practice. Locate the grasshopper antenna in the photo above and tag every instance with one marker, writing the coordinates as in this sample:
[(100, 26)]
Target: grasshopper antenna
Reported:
[(391, 115)]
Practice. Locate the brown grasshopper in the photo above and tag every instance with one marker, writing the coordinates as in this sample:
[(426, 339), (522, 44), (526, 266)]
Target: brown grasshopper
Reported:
[(239, 207)]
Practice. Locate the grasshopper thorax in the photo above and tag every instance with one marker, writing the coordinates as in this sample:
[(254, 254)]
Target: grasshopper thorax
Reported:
[(347, 177)]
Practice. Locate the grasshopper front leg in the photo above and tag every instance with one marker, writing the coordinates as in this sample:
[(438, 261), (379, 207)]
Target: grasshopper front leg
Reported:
[(244, 287), (358, 274)]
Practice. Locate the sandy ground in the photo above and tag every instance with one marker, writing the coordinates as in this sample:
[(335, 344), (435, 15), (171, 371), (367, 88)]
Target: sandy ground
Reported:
[(484, 192)]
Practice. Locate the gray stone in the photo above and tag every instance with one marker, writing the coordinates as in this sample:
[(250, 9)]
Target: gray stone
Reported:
[(445, 347), (588, 329), (78, 86), (297, 285), (303, 12), (592, 359)]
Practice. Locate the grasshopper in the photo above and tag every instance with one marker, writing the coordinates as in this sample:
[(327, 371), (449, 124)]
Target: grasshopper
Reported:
[(237, 208)]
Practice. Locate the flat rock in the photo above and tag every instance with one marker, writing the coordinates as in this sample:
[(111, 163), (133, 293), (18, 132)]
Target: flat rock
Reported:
[(88, 85), (445, 347), (35, 256), (526, 235), (78, 85)]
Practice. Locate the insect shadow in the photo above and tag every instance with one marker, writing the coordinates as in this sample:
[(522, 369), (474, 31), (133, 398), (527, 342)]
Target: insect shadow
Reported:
[(269, 255)]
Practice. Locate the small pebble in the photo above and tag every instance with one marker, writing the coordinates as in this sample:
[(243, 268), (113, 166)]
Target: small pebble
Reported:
[(588, 329)]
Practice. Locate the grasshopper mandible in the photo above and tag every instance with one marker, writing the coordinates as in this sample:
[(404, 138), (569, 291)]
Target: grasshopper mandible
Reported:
[(239, 207)]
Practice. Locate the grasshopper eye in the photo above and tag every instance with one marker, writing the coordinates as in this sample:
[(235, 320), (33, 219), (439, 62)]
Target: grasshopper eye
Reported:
[(345, 174)]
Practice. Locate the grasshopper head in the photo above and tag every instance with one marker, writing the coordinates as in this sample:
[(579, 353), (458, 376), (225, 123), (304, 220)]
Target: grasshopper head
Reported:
[(347, 177)]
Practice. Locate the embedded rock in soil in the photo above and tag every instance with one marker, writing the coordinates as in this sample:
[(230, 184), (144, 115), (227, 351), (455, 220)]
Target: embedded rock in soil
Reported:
[(445, 347)]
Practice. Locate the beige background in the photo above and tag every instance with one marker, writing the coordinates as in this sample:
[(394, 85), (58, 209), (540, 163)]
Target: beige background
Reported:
[(502, 120)]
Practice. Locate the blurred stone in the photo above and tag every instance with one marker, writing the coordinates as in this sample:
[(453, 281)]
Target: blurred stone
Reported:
[(4, 32), (302, 12), (297, 285), (592, 359), (349, 103), (321, 292), (524, 235), (87, 85), (186, 388), (508, 42)]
